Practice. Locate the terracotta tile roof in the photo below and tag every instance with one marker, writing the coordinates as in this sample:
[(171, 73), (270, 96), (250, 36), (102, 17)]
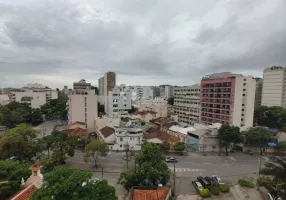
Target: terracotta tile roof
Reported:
[(149, 193), (145, 112), (107, 131), (155, 133), (24, 193), (76, 132), (75, 123), (169, 124)]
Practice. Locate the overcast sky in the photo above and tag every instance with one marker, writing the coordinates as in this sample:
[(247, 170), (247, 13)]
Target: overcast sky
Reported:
[(146, 42)]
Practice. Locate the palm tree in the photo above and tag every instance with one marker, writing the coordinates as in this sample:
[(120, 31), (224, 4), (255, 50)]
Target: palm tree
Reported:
[(276, 168)]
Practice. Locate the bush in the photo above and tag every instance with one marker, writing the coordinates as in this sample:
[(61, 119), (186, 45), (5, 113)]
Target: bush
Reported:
[(246, 183), (205, 193), (215, 190), (224, 188), (180, 146)]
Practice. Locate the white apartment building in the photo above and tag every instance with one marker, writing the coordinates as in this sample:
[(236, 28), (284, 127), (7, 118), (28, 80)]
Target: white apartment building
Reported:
[(101, 86), (166, 91), (274, 87), (118, 102), (228, 98), (128, 138), (82, 107), (158, 105), (35, 97), (138, 92), (187, 103), (82, 85)]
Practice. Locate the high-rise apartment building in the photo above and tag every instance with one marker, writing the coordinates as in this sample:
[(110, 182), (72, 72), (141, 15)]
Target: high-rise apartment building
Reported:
[(109, 82), (228, 99), (258, 92), (187, 103), (118, 102), (82, 107), (101, 86), (138, 92), (274, 87)]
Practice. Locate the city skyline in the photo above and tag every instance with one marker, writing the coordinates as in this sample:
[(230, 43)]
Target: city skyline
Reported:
[(145, 43)]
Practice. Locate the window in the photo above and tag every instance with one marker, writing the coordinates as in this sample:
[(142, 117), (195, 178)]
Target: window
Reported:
[(244, 84), (242, 109), (242, 104), (85, 99), (213, 147), (241, 119), (131, 138), (245, 79), (85, 114), (242, 114), (243, 95), (244, 89), (120, 145), (85, 109), (121, 139)]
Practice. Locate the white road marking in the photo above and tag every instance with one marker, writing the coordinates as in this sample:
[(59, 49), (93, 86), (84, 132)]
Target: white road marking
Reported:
[(185, 169), (232, 158), (206, 163), (225, 164)]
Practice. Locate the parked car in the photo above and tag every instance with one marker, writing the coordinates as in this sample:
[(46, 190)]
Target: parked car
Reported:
[(209, 179), (217, 179), (198, 186), (171, 160), (204, 182)]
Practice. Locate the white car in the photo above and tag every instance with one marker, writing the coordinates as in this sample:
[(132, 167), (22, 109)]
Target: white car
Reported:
[(218, 179), (171, 160)]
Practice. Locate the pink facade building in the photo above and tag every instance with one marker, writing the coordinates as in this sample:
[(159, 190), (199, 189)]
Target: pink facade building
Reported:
[(228, 99)]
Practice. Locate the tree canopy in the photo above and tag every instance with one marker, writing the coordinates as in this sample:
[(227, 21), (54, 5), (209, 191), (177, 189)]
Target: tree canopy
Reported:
[(56, 108), (229, 134), (273, 116), (73, 184), (15, 113), (94, 149), (12, 172), (276, 169), (257, 136), (170, 101), (19, 142), (180, 146), (150, 169), (58, 146)]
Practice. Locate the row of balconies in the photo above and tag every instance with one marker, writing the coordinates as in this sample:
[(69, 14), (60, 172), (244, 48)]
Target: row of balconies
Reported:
[(216, 91), (216, 96), (216, 101), (215, 107)]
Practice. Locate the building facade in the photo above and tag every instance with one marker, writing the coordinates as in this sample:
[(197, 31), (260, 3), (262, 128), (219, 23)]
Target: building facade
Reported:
[(128, 139), (158, 105), (138, 92), (273, 88), (34, 97), (109, 82), (118, 102), (258, 92), (227, 98), (81, 85), (82, 107), (101, 86), (187, 104)]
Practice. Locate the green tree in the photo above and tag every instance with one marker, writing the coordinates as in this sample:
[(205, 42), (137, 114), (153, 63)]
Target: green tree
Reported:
[(93, 150), (73, 184), (179, 146), (36, 116), (59, 146), (229, 134), (170, 101), (281, 146), (150, 169), (19, 142), (132, 110), (257, 137), (276, 170), (273, 116), (11, 174), (165, 146)]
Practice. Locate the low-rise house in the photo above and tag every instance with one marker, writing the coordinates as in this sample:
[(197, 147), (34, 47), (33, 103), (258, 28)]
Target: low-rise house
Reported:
[(146, 115), (204, 138), (163, 123), (158, 137), (128, 138), (76, 129), (180, 132), (32, 184), (107, 135), (150, 193)]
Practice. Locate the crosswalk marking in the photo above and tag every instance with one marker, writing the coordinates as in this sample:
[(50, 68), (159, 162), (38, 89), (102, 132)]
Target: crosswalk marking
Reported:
[(185, 169)]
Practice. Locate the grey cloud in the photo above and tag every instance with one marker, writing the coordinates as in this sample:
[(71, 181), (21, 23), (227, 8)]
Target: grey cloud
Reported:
[(86, 38)]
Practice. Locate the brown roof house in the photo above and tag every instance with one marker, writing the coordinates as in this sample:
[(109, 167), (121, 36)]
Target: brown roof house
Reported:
[(33, 183), (150, 193), (107, 135), (146, 115)]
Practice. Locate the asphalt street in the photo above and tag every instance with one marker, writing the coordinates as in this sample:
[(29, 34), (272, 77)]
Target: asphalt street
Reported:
[(229, 168)]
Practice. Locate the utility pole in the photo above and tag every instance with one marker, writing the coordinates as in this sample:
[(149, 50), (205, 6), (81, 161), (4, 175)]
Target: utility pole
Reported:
[(174, 178), (259, 169)]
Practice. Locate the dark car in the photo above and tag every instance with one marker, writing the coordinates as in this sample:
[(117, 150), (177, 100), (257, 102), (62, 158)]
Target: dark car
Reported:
[(204, 182), (198, 186), (209, 179), (171, 160)]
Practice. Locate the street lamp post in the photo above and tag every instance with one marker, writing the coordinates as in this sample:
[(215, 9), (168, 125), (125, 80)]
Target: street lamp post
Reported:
[(174, 178)]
